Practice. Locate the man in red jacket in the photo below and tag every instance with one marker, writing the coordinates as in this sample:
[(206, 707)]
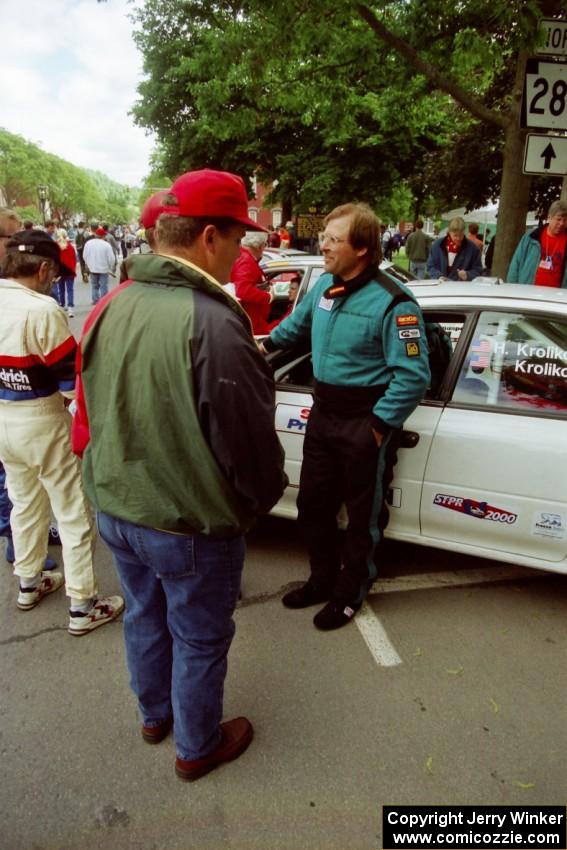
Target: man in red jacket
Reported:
[(246, 275)]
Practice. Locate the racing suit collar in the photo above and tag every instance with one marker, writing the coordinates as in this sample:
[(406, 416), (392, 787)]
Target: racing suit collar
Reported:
[(340, 287)]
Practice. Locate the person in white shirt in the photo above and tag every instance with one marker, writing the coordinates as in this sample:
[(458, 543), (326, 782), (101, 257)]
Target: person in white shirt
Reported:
[(100, 261)]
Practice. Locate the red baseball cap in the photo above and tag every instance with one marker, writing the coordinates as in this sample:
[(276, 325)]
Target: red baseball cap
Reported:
[(153, 208), (213, 194)]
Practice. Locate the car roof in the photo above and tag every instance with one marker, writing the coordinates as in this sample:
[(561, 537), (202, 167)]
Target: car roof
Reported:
[(483, 292), (295, 260)]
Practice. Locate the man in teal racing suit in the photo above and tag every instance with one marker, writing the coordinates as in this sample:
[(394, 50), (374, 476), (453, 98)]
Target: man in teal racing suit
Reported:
[(371, 369)]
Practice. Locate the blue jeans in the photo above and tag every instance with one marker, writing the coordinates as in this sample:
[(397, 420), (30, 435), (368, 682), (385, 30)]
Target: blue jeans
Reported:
[(99, 285), (180, 592), (5, 511), (65, 283), (417, 267)]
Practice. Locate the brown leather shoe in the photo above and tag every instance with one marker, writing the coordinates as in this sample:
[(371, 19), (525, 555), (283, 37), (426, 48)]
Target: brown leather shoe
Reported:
[(236, 736), (156, 734)]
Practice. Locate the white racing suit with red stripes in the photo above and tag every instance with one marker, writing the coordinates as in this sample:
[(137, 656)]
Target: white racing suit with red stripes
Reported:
[(37, 357)]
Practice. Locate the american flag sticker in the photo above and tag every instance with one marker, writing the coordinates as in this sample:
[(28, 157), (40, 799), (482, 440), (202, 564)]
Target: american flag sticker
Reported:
[(481, 351)]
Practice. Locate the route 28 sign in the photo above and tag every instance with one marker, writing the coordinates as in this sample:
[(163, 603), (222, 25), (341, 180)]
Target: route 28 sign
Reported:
[(545, 95)]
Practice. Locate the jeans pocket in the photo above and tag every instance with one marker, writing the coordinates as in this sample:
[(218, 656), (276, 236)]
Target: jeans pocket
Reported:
[(170, 556)]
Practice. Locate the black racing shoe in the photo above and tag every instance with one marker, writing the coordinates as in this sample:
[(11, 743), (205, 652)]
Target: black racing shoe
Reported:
[(334, 615), (306, 595)]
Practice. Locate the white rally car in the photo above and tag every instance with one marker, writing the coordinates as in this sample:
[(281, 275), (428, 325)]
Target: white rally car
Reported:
[(483, 465)]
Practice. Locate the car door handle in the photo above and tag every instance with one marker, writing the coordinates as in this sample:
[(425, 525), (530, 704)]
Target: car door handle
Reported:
[(409, 439)]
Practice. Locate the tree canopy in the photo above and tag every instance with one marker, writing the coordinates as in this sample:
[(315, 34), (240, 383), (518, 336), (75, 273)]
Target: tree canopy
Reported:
[(337, 99), (72, 190)]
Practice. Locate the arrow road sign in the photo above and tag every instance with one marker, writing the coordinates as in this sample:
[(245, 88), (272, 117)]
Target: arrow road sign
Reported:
[(546, 155)]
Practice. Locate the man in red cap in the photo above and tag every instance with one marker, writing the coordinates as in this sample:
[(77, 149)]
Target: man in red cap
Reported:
[(168, 361), (151, 211)]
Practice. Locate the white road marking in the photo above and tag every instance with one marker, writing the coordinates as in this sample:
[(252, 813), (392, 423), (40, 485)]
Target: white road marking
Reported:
[(454, 578), (375, 637), (374, 633)]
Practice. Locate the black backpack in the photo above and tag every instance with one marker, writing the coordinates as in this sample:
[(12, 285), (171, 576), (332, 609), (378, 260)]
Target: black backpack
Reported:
[(438, 341)]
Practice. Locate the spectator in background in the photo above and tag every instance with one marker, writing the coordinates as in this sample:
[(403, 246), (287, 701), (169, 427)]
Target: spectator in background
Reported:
[(541, 255), (417, 250), (90, 232), (473, 236), (122, 243), (101, 261), (111, 240), (397, 241), (274, 238), (28, 225), (247, 277), (51, 230), (129, 239), (489, 256), (290, 227), (452, 257), (66, 283), (292, 294), (80, 237), (285, 239), (386, 242)]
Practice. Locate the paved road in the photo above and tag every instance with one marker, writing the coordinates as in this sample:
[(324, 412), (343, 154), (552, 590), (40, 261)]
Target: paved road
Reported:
[(472, 713), (448, 693)]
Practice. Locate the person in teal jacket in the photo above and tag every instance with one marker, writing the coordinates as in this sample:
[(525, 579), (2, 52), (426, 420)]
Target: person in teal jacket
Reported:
[(370, 363), (541, 255)]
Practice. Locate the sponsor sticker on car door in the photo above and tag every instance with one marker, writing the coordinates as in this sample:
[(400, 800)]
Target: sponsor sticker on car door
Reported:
[(291, 418)]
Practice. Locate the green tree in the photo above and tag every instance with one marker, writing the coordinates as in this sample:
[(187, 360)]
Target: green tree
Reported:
[(468, 47), (72, 190), (226, 88), (342, 99), (21, 168)]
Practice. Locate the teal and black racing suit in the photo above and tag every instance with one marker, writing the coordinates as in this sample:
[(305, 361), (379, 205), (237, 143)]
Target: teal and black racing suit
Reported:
[(371, 370)]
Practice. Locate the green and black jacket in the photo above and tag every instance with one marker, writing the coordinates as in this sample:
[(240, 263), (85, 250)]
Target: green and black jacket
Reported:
[(175, 415)]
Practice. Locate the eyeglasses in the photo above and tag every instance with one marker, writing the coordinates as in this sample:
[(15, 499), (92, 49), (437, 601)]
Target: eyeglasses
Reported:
[(332, 240)]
